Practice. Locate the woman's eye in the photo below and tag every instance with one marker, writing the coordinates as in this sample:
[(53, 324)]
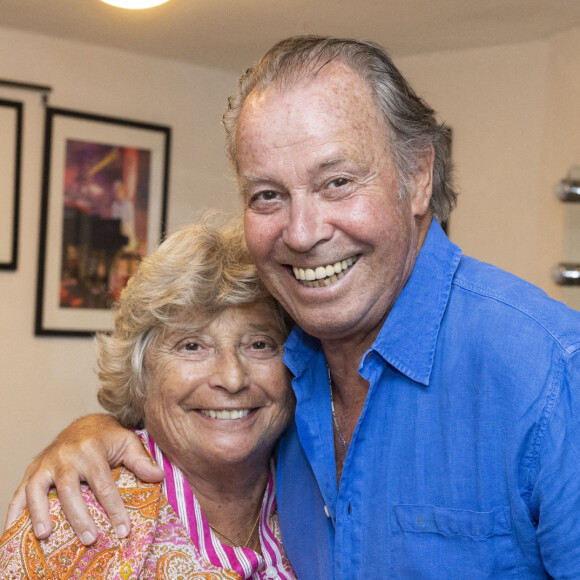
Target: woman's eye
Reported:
[(187, 348), (262, 348), (191, 346)]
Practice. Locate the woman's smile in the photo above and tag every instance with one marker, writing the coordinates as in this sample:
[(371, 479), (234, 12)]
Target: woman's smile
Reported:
[(226, 415)]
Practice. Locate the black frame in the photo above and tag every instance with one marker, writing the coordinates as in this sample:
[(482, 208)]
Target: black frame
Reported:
[(158, 134), (18, 107)]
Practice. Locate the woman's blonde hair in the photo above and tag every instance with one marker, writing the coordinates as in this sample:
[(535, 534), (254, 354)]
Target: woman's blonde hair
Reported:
[(194, 274)]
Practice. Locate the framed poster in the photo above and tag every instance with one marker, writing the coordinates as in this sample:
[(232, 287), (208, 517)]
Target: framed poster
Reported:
[(10, 159), (104, 204)]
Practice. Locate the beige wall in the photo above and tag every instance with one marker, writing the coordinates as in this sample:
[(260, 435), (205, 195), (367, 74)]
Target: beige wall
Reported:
[(494, 101), (46, 382), (515, 117), (516, 121), (562, 148)]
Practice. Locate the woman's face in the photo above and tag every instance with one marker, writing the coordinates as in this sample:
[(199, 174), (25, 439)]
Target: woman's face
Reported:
[(219, 393)]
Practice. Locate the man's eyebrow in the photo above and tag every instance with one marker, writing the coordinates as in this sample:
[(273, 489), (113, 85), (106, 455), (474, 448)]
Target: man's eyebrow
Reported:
[(323, 165), (338, 161), (331, 162), (253, 178)]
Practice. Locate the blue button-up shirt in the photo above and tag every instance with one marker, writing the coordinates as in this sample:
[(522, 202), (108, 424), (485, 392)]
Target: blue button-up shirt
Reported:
[(465, 462)]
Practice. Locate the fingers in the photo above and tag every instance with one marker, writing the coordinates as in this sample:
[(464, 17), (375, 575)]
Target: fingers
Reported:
[(91, 466), (40, 478), (36, 495), (125, 448), (135, 458), (15, 508), (74, 505), (85, 451), (18, 502), (101, 482)]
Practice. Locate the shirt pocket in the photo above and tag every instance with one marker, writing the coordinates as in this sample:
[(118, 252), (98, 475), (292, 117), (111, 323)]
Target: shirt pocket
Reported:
[(432, 542)]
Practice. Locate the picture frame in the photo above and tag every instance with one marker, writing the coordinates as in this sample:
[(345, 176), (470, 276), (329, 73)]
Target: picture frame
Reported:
[(104, 207), (11, 114)]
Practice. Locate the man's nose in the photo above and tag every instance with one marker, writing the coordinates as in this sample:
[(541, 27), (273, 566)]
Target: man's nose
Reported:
[(307, 224), (228, 371)]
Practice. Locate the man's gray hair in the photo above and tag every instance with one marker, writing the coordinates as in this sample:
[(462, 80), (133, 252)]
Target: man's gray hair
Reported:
[(412, 125)]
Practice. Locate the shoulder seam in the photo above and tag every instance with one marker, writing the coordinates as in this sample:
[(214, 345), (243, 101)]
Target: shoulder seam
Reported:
[(551, 401), (469, 286)]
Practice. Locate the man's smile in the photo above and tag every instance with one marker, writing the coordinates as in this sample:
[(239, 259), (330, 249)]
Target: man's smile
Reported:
[(323, 275)]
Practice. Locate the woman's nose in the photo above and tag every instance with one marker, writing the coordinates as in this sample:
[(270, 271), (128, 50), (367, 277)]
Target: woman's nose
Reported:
[(228, 371)]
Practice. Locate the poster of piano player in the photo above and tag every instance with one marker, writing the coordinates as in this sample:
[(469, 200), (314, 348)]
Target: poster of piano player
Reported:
[(104, 205)]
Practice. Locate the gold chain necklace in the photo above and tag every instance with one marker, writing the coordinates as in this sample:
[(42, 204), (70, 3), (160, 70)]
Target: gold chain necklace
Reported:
[(235, 544), (340, 437)]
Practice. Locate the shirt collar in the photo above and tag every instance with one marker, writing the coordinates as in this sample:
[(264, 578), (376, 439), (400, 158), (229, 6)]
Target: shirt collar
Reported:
[(408, 337), (181, 498)]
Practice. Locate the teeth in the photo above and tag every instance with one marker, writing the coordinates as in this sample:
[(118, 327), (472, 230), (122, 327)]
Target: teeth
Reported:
[(324, 275), (226, 415)]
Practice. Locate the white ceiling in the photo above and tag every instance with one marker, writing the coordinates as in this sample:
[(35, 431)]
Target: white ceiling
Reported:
[(231, 34)]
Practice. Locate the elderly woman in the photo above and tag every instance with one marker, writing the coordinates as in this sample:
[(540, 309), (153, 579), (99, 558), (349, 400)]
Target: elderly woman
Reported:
[(195, 366)]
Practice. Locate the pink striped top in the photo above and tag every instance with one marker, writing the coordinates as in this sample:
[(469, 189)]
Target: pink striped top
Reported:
[(272, 564)]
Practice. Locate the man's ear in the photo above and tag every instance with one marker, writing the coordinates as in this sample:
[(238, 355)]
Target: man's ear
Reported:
[(423, 181)]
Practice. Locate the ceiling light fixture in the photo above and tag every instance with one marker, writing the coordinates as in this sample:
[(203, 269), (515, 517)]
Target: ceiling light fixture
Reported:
[(135, 4)]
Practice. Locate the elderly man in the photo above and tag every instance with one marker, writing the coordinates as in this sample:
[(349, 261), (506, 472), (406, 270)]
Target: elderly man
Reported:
[(437, 424)]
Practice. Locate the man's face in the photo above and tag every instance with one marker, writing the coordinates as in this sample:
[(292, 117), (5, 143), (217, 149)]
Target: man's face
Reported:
[(320, 193)]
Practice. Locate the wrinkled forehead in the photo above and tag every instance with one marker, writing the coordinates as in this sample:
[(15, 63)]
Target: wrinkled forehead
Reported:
[(299, 70), (335, 74), (334, 90), (262, 314), (318, 120)]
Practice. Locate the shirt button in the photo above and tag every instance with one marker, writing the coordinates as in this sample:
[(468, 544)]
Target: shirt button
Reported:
[(326, 512), (271, 572)]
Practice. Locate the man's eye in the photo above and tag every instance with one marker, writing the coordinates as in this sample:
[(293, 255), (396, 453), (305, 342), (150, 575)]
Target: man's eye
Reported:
[(268, 195), (265, 200), (340, 182), (191, 346), (260, 345)]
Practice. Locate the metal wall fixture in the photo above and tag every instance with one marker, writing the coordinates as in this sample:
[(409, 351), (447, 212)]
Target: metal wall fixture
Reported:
[(568, 190), (566, 274)]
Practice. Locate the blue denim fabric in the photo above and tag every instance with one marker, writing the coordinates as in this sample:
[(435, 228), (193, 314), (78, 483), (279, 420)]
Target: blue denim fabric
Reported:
[(465, 462)]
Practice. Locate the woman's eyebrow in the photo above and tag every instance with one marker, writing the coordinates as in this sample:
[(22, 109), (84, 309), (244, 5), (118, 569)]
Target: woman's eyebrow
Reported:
[(261, 326)]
